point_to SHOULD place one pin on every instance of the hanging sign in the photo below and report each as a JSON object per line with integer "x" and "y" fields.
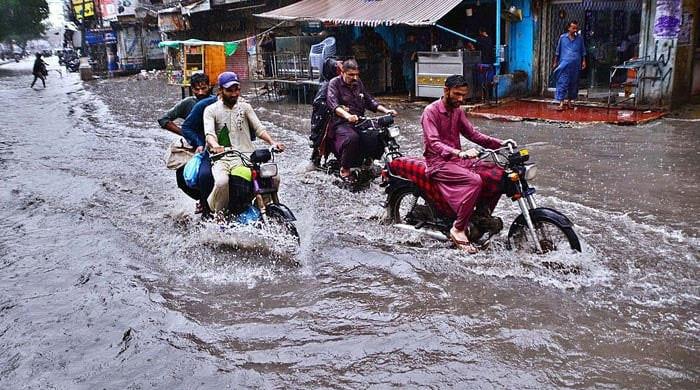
{"x": 83, "y": 9}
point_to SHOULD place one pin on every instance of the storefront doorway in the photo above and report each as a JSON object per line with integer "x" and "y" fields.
{"x": 611, "y": 32}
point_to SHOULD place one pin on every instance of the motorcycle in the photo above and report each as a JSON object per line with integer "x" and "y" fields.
{"x": 380, "y": 131}
{"x": 414, "y": 203}
{"x": 72, "y": 64}
{"x": 253, "y": 194}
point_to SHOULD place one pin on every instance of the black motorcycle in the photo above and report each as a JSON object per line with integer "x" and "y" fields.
{"x": 414, "y": 203}
{"x": 255, "y": 198}
{"x": 72, "y": 64}
{"x": 378, "y": 139}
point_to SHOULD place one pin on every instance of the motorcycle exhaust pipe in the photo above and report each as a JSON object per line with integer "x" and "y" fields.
{"x": 431, "y": 233}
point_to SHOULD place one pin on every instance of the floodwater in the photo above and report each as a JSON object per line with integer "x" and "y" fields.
{"x": 108, "y": 280}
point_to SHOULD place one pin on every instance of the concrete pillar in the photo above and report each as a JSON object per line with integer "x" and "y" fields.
{"x": 667, "y": 81}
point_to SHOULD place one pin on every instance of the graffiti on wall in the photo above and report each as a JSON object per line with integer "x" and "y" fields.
{"x": 662, "y": 53}
{"x": 667, "y": 24}
{"x": 661, "y": 77}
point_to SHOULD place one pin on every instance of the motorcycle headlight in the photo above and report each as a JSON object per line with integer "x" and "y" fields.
{"x": 530, "y": 171}
{"x": 394, "y": 131}
{"x": 268, "y": 170}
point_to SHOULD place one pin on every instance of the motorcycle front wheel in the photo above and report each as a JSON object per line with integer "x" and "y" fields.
{"x": 552, "y": 235}
{"x": 286, "y": 227}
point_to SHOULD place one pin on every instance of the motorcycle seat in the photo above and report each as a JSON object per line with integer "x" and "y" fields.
{"x": 413, "y": 170}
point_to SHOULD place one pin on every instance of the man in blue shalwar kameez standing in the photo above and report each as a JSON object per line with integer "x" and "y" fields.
{"x": 569, "y": 59}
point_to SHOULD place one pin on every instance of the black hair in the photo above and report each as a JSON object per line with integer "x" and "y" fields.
{"x": 350, "y": 64}
{"x": 199, "y": 78}
{"x": 455, "y": 81}
{"x": 572, "y": 22}
{"x": 329, "y": 69}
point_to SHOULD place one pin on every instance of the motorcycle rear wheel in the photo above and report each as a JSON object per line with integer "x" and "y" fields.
{"x": 551, "y": 235}
{"x": 407, "y": 206}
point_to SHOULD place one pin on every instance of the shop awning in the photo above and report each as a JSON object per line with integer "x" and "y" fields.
{"x": 365, "y": 12}
{"x": 229, "y": 47}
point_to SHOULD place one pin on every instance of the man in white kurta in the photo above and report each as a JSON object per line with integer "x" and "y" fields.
{"x": 230, "y": 122}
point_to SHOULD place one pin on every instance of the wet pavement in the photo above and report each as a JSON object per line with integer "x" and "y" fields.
{"x": 518, "y": 110}
{"x": 108, "y": 280}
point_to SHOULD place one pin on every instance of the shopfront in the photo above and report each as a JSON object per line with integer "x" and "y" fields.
{"x": 101, "y": 48}
{"x": 611, "y": 31}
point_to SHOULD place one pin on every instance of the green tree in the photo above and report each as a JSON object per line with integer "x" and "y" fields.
{"x": 22, "y": 19}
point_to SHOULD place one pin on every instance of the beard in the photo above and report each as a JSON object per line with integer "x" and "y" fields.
{"x": 453, "y": 103}
{"x": 229, "y": 101}
{"x": 201, "y": 96}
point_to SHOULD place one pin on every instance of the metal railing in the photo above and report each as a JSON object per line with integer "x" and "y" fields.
{"x": 288, "y": 66}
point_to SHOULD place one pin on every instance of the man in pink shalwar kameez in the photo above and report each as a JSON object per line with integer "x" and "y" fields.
{"x": 460, "y": 178}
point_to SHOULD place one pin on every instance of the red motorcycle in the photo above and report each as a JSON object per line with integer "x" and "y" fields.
{"x": 414, "y": 203}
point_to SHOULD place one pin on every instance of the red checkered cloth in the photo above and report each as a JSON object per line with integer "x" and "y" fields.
{"x": 491, "y": 176}
{"x": 413, "y": 170}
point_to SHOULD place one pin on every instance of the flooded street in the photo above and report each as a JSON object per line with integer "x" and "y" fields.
{"x": 109, "y": 280}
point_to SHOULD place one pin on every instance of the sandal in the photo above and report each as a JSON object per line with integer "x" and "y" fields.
{"x": 347, "y": 183}
{"x": 463, "y": 245}
{"x": 349, "y": 179}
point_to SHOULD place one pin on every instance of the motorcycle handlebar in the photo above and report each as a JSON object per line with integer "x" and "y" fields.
{"x": 227, "y": 151}
{"x": 366, "y": 118}
{"x": 380, "y": 121}
{"x": 232, "y": 151}
{"x": 486, "y": 152}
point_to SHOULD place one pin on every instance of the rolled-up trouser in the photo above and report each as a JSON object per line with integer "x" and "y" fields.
{"x": 462, "y": 182}
{"x": 352, "y": 148}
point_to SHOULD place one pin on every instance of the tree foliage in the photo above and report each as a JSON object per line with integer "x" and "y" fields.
{"x": 22, "y": 19}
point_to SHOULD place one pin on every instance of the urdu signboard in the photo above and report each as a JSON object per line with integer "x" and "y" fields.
{"x": 83, "y": 9}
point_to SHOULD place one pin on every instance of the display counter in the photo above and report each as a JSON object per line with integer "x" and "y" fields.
{"x": 433, "y": 68}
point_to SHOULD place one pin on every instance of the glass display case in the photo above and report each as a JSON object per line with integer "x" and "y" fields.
{"x": 193, "y": 62}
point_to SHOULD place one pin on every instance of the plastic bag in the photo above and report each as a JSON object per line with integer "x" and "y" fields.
{"x": 192, "y": 169}
{"x": 249, "y": 215}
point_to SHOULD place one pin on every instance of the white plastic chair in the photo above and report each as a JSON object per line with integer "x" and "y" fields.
{"x": 320, "y": 51}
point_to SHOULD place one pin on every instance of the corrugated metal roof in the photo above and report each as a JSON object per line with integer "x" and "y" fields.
{"x": 366, "y": 12}
{"x": 175, "y": 9}
{"x": 201, "y": 6}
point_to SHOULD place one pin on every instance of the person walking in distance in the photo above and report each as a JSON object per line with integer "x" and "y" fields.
{"x": 569, "y": 60}
{"x": 39, "y": 71}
